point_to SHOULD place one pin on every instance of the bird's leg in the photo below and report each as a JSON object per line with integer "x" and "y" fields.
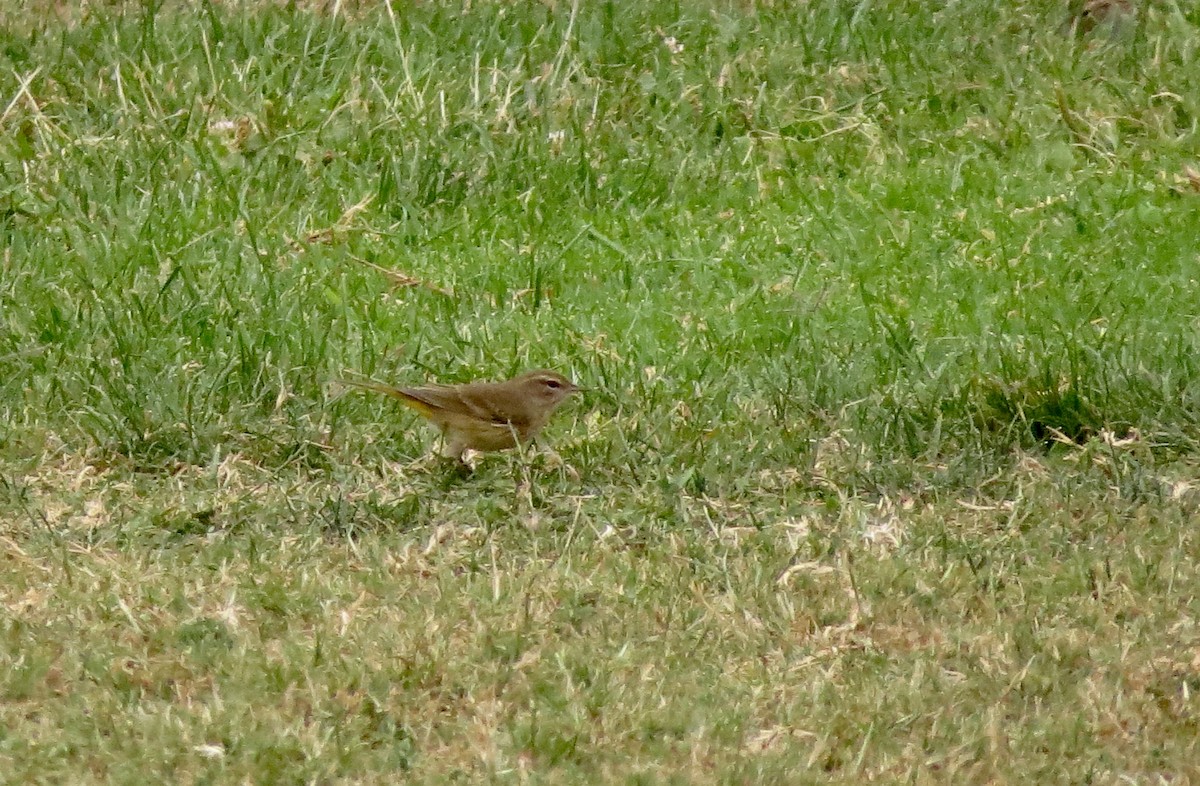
{"x": 454, "y": 449}
{"x": 555, "y": 462}
{"x": 551, "y": 457}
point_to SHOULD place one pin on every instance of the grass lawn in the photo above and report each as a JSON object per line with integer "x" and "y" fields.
{"x": 889, "y": 466}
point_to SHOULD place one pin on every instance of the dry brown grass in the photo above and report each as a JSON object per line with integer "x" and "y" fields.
{"x": 216, "y": 624}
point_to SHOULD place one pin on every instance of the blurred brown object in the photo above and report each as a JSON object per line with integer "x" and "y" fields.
{"x": 1085, "y": 17}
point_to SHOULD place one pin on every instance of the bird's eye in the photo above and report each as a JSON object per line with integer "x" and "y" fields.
{"x": 553, "y": 383}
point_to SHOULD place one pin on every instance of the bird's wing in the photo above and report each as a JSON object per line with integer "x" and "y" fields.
{"x": 477, "y": 402}
{"x": 474, "y": 401}
{"x": 487, "y": 400}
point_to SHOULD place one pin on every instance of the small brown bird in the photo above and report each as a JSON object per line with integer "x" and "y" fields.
{"x": 485, "y": 415}
{"x": 1085, "y": 17}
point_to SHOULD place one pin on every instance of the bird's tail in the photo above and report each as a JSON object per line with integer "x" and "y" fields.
{"x": 401, "y": 395}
